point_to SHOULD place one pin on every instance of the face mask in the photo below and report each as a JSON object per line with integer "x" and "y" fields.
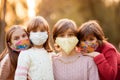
{"x": 21, "y": 45}
{"x": 67, "y": 44}
{"x": 88, "y": 46}
{"x": 38, "y": 38}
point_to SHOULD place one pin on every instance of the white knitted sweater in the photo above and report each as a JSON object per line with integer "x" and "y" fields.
{"x": 36, "y": 63}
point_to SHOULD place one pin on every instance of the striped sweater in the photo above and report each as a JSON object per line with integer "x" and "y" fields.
{"x": 35, "y": 63}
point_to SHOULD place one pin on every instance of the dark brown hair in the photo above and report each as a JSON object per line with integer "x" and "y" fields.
{"x": 91, "y": 27}
{"x": 63, "y": 25}
{"x": 40, "y": 22}
{"x": 13, "y": 55}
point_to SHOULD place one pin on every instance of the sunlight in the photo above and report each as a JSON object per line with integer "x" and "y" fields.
{"x": 0, "y": 6}
{"x": 20, "y": 11}
{"x": 0, "y": 2}
{"x": 110, "y": 2}
{"x": 31, "y": 8}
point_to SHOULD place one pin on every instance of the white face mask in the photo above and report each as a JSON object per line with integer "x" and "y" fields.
{"x": 67, "y": 44}
{"x": 38, "y": 38}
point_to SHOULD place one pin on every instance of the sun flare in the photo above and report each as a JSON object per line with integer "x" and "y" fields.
{"x": 31, "y": 8}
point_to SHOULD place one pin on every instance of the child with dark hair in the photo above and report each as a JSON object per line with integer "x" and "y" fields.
{"x": 92, "y": 42}
{"x": 69, "y": 64}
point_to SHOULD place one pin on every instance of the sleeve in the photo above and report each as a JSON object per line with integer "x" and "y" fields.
{"x": 107, "y": 64}
{"x": 5, "y": 68}
{"x": 93, "y": 71}
{"x": 22, "y": 66}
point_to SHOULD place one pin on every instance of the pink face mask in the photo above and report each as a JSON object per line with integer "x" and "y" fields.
{"x": 22, "y": 45}
{"x": 88, "y": 46}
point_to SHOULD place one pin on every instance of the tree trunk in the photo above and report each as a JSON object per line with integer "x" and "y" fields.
{"x": 2, "y": 24}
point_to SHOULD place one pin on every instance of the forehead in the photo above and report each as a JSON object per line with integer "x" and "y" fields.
{"x": 42, "y": 27}
{"x": 68, "y": 31}
{"x": 89, "y": 36}
{"x": 18, "y": 32}
{"x": 38, "y": 28}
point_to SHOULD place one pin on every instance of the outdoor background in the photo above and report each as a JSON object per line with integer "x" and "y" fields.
{"x": 106, "y": 12}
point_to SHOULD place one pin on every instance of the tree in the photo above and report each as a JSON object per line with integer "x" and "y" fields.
{"x": 2, "y": 24}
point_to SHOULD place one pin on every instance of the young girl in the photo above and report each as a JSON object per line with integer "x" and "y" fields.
{"x": 68, "y": 64}
{"x": 16, "y": 40}
{"x": 35, "y": 62}
{"x": 105, "y": 56}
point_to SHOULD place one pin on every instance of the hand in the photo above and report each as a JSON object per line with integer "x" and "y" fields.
{"x": 92, "y": 54}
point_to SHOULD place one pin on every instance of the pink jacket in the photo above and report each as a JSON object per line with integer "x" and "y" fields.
{"x": 5, "y": 69}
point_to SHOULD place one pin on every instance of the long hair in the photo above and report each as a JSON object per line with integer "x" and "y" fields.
{"x": 40, "y": 23}
{"x": 13, "y": 55}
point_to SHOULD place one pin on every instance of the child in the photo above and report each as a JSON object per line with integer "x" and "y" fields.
{"x": 68, "y": 64}
{"x": 35, "y": 62}
{"x": 105, "y": 56}
{"x": 16, "y": 40}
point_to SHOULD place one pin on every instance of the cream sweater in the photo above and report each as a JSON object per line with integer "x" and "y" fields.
{"x": 36, "y": 63}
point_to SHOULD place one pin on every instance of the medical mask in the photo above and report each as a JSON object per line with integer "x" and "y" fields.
{"x": 38, "y": 38}
{"x": 88, "y": 46}
{"x": 67, "y": 44}
{"x": 21, "y": 45}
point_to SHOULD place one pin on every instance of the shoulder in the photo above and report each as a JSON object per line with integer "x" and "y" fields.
{"x": 109, "y": 48}
{"x": 52, "y": 54}
{"x": 25, "y": 55}
{"x": 5, "y": 59}
{"x": 55, "y": 57}
{"x": 5, "y": 62}
{"x": 89, "y": 61}
{"x": 108, "y": 45}
{"x": 86, "y": 57}
{"x": 27, "y": 51}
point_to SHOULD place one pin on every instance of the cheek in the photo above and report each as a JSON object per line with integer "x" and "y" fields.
{"x": 98, "y": 43}
{"x": 26, "y": 37}
{"x": 13, "y": 42}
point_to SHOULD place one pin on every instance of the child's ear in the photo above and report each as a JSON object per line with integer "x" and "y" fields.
{"x": 9, "y": 44}
{"x": 78, "y": 49}
{"x": 57, "y": 47}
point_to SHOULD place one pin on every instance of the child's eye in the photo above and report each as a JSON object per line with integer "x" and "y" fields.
{"x": 16, "y": 38}
{"x": 91, "y": 39}
{"x": 83, "y": 40}
{"x": 34, "y": 30}
{"x": 24, "y": 35}
{"x": 71, "y": 35}
{"x": 42, "y": 30}
{"x": 61, "y": 35}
